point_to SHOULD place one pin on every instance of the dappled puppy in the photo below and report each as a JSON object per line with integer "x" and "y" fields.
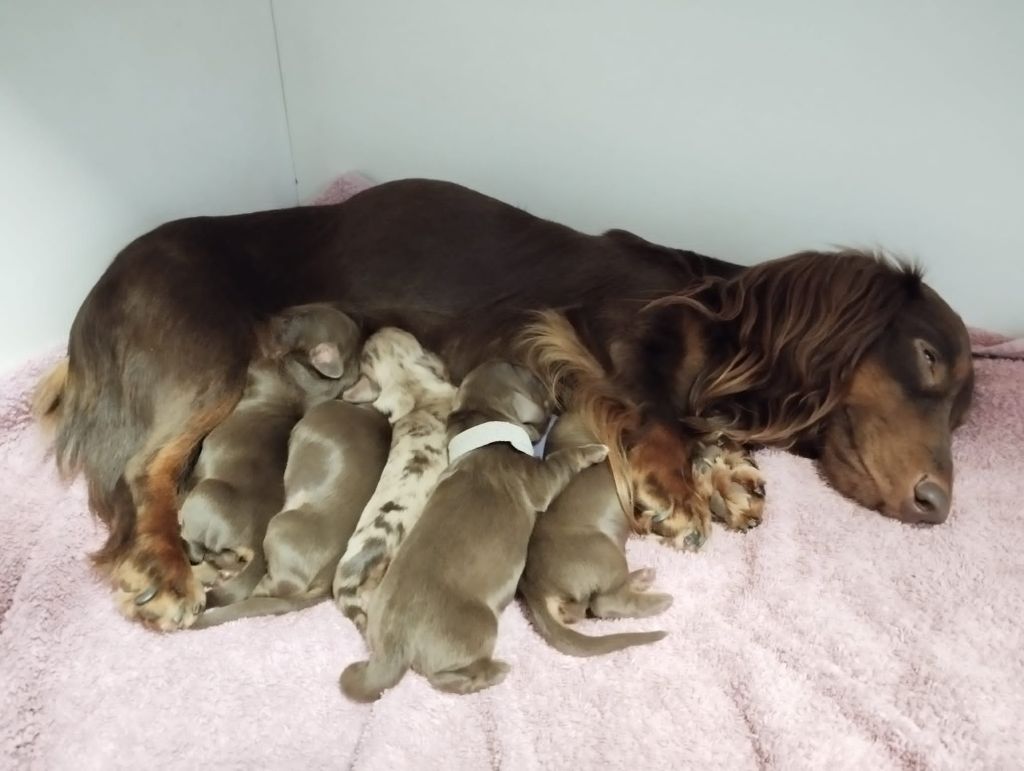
{"x": 237, "y": 484}
{"x": 576, "y": 562}
{"x": 335, "y": 456}
{"x": 437, "y": 607}
{"x": 410, "y": 386}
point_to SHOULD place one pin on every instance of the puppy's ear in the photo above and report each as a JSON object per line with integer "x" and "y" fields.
{"x": 364, "y": 390}
{"x": 326, "y": 359}
{"x": 283, "y": 332}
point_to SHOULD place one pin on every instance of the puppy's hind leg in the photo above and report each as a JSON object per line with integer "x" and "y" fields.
{"x": 631, "y": 600}
{"x": 365, "y": 681}
{"x": 482, "y": 673}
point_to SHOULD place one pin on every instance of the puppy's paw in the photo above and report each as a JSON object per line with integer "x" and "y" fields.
{"x": 590, "y": 454}
{"x": 733, "y": 485}
{"x": 155, "y": 584}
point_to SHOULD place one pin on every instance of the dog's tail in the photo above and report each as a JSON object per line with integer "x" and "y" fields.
{"x": 365, "y": 681}
{"x": 571, "y": 642}
{"x": 254, "y": 606}
{"x": 555, "y": 352}
{"x": 49, "y": 396}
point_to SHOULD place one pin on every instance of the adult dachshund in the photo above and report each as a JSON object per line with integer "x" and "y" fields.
{"x": 677, "y": 360}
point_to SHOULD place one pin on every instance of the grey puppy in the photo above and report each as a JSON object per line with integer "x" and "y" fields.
{"x": 577, "y": 560}
{"x": 311, "y": 355}
{"x": 335, "y": 457}
{"x": 436, "y": 609}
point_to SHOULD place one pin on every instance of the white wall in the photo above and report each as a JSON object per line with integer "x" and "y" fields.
{"x": 743, "y": 129}
{"x": 116, "y": 116}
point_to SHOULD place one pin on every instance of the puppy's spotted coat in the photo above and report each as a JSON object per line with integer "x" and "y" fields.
{"x": 410, "y": 386}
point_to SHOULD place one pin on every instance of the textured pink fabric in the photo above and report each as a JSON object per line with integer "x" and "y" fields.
{"x": 995, "y": 345}
{"x": 345, "y": 186}
{"x": 828, "y": 637}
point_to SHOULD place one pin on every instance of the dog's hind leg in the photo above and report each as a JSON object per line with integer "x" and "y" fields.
{"x": 152, "y": 577}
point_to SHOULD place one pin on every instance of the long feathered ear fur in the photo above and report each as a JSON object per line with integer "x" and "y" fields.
{"x": 797, "y": 327}
{"x": 553, "y": 350}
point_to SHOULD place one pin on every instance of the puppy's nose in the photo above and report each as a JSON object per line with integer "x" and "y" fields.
{"x": 930, "y": 504}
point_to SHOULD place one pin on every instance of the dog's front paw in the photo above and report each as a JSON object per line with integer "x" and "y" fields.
{"x": 155, "y": 584}
{"x": 732, "y": 484}
{"x": 672, "y": 511}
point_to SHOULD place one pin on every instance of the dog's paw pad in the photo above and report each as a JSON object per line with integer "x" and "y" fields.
{"x": 162, "y": 593}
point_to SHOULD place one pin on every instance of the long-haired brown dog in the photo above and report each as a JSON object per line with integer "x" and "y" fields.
{"x": 845, "y": 355}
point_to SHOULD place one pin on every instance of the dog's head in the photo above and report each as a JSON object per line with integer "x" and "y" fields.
{"x": 887, "y": 443}
{"x": 320, "y": 346}
{"x": 397, "y": 374}
{"x": 850, "y": 358}
{"x": 505, "y": 391}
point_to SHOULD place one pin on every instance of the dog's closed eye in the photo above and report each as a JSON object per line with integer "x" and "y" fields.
{"x": 932, "y": 369}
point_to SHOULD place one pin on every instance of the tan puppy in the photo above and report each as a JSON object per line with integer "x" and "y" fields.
{"x": 237, "y": 484}
{"x": 436, "y": 609}
{"x": 577, "y": 560}
{"x": 335, "y": 456}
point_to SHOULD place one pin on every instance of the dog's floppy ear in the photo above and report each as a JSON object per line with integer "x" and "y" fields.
{"x": 363, "y": 391}
{"x": 326, "y": 359}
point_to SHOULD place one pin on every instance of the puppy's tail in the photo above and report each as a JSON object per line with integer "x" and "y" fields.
{"x": 49, "y": 396}
{"x": 254, "y": 606}
{"x": 365, "y": 681}
{"x": 571, "y": 642}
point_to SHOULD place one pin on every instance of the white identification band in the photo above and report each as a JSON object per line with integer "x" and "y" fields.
{"x": 491, "y": 432}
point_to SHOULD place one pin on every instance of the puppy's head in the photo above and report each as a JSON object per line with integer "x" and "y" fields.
{"x": 396, "y": 374}
{"x": 506, "y": 392}
{"x": 320, "y": 345}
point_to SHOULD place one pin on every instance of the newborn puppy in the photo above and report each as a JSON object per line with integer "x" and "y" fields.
{"x": 237, "y": 485}
{"x": 335, "y": 457}
{"x": 437, "y": 607}
{"x": 411, "y": 387}
{"x": 577, "y": 560}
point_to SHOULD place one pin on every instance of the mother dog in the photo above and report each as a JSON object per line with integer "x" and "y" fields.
{"x": 843, "y": 355}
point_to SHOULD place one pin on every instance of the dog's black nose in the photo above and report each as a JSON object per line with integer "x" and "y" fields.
{"x": 930, "y": 504}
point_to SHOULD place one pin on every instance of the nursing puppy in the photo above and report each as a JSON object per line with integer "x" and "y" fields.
{"x": 410, "y": 386}
{"x": 437, "y": 607}
{"x": 237, "y": 484}
{"x": 577, "y": 560}
{"x": 335, "y": 457}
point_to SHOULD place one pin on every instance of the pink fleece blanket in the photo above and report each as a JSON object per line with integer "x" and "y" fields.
{"x": 829, "y": 637}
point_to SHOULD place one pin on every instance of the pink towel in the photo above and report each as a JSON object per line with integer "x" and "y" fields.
{"x": 828, "y": 637}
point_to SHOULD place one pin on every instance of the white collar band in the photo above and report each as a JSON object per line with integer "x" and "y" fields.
{"x": 491, "y": 432}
